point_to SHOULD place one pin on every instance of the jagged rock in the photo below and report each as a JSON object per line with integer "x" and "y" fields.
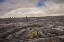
{"x": 21, "y": 41}
{"x": 51, "y": 39}
{"x": 17, "y": 34}
{"x": 57, "y": 31}
{"x": 20, "y": 31}
{"x": 10, "y": 36}
{"x": 8, "y": 32}
{"x": 42, "y": 35}
{"x": 51, "y": 35}
{"x": 61, "y": 38}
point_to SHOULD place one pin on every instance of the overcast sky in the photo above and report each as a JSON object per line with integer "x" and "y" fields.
{"x": 48, "y": 6}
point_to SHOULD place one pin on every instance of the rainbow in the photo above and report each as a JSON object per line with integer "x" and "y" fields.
{"x": 19, "y": 9}
{"x": 43, "y": 13}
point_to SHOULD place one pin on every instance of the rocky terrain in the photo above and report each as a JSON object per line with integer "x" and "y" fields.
{"x": 32, "y": 29}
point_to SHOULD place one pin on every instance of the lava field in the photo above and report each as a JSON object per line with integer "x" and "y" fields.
{"x": 32, "y": 29}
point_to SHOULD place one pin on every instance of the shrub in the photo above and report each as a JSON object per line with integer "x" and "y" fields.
{"x": 35, "y": 35}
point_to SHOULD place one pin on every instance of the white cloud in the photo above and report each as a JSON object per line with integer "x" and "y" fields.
{"x": 14, "y": 4}
{"x": 52, "y": 6}
{"x": 58, "y": 1}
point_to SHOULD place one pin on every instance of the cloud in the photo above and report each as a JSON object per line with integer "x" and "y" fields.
{"x": 47, "y": 6}
{"x": 53, "y": 8}
{"x": 41, "y": 3}
{"x": 58, "y": 1}
{"x": 10, "y": 5}
{"x": 1, "y": 1}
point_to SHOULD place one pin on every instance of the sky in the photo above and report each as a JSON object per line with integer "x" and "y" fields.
{"x": 47, "y": 6}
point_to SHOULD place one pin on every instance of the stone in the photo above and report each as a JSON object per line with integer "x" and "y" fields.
{"x": 57, "y": 31}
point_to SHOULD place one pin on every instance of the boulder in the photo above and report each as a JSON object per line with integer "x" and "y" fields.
{"x": 57, "y": 31}
{"x": 42, "y": 35}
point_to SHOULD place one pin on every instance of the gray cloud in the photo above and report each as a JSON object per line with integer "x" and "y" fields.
{"x": 58, "y": 1}
{"x": 10, "y": 5}
{"x": 52, "y": 6}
